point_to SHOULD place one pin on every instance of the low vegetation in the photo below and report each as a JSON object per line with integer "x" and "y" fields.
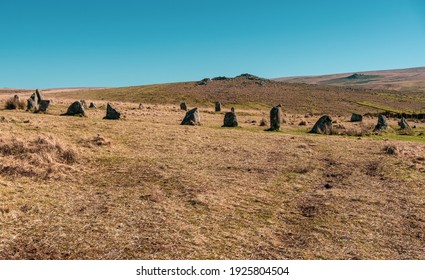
{"x": 14, "y": 104}
{"x": 145, "y": 187}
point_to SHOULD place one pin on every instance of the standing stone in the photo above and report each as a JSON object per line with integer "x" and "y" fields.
{"x": 44, "y": 104}
{"x": 92, "y": 105}
{"x": 39, "y": 96}
{"x": 183, "y": 106}
{"x": 230, "y": 119}
{"x": 192, "y": 117}
{"x": 218, "y": 106}
{"x": 275, "y": 118}
{"x": 32, "y": 103}
{"x": 403, "y": 124}
{"x": 75, "y": 108}
{"x": 141, "y": 107}
{"x": 382, "y": 123}
{"x": 356, "y": 117}
{"x": 111, "y": 113}
{"x": 323, "y": 125}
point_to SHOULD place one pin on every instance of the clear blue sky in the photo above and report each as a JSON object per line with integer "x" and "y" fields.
{"x": 49, "y": 43}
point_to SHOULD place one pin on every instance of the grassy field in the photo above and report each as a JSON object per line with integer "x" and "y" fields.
{"x": 145, "y": 187}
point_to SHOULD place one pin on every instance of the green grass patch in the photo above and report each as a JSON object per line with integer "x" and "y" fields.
{"x": 381, "y": 107}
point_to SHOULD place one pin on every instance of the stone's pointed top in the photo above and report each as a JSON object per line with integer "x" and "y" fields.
{"x": 39, "y": 96}
{"x": 92, "y": 105}
{"x": 323, "y": 125}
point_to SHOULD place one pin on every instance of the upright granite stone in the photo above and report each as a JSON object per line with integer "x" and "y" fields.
{"x": 75, "y": 109}
{"x": 141, "y": 107}
{"x": 192, "y": 118}
{"x": 230, "y": 119}
{"x": 356, "y": 117}
{"x": 92, "y": 105}
{"x": 32, "y": 103}
{"x": 382, "y": 123}
{"x": 183, "y": 106}
{"x": 39, "y": 96}
{"x": 35, "y": 101}
{"x": 111, "y": 113}
{"x": 218, "y": 106}
{"x": 403, "y": 124}
{"x": 275, "y": 118}
{"x": 323, "y": 125}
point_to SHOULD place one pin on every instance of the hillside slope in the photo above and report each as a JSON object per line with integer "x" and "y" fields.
{"x": 410, "y": 79}
{"x": 248, "y": 91}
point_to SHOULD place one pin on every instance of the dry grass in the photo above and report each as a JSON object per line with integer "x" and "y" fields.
{"x": 12, "y": 104}
{"x": 40, "y": 157}
{"x": 165, "y": 191}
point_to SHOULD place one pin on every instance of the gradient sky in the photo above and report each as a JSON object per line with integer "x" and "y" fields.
{"x": 46, "y": 43}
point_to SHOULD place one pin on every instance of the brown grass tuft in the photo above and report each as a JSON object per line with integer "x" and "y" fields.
{"x": 391, "y": 150}
{"x": 264, "y": 122}
{"x": 12, "y": 104}
{"x": 96, "y": 141}
{"x": 39, "y": 157}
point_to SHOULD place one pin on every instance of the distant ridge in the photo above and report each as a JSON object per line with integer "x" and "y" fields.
{"x": 409, "y": 79}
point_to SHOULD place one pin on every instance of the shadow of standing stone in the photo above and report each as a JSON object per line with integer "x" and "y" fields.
{"x": 275, "y": 118}
{"x": 192, "y": 118}
{"x": 323, "y": 125}
{"x": 44, "y": 104}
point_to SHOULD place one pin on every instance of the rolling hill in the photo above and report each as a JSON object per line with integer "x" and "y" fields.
{"x": 250, "y": 92}
{"x": 410, "y": 79}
